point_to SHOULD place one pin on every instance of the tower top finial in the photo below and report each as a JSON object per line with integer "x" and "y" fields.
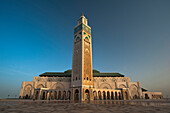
{"x": 82, "y": 14}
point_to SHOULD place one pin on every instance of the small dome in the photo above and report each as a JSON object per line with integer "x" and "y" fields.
{"x": 96, "y": 71}
{"x": 68, "y": 71}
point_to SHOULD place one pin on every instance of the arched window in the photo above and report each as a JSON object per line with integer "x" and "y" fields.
{"x": 76, "y": 78}
{"x": 87, "y": 78}
{"x": 87, "y": 38}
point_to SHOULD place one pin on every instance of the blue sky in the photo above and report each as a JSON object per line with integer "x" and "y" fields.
{"x": 129, "y": 36}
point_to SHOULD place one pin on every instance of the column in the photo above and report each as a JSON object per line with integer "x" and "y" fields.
{"x": 39, "y": 96}
{"x": 106, "y": 95}
{"x": 97, "y": 98}
{"x": 45, "y": 95}
{"x": 110, "y": 95}
{"x": 33, "y": 97}
{"x": 102, "y": 95}
{"x": 72, "y": 96}
{"x": 79, "y": 94}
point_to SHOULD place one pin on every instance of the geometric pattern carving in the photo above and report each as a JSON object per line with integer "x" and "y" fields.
{"x": 87, "y": 60}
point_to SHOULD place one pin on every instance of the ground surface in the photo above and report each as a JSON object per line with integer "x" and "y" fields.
{"x": 29, "y": 106}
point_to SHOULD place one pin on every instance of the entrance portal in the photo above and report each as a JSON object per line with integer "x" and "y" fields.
{"x": 87, "y": 95}
{"x": 76, "y": 95}
{"x": 146, "y": 96}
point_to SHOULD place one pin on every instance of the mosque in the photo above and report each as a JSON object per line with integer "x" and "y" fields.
{"x": 82, "y": 83}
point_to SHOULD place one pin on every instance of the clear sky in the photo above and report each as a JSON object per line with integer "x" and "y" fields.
{"x": 131, "y": 37}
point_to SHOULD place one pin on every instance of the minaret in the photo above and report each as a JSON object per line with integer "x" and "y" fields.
{"x": 82, "y": 74}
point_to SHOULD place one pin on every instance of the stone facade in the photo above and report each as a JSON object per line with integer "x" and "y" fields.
{"x": 152, "y": 95}
{"x": 82, "y": 83}
{"x": 101, "y": 85}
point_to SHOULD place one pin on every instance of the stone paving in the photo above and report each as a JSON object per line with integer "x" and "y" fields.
{"x": 29, "y": 106}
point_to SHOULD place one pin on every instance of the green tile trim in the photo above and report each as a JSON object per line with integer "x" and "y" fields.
{"x": 82, "y": 26}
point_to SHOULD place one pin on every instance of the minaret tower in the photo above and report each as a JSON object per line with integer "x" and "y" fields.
{"x": 82, "y": 73}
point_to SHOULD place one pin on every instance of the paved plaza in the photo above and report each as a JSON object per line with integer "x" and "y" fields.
{"x": 132, "y": 106}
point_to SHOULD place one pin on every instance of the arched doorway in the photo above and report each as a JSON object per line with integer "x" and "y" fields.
{"x": 59, "y": 95}
{"x": 69, "y": 94}
{"x": 100, "y": 96}
{"x": 55, "y": 95}
{"x": 134, "y": 91}
{"x": 112, "y": 95}
{"x": 108, "y": 95}
{"x": 43, "y": 97}
{"x": 87, "y": 94}
{"x": 104, "y": 95}
{"x": 64, "y": 95}
{"x": 27, "y": 92}
{"x": 76, "y": 98}
{"x": 126, "y": 95}
{"x": 36, "y": 95}
{"x": 135, "y": 97}
{"x": 120, "y": 96}
{"x": 146, "y": 96}
{"x": 51, "y": 95}
{"x": 26, "y": 97}
{"x": 95, "y": 95}
{"x": 115, "y": 95}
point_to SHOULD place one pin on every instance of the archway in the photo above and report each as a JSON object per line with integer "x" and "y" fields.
{"x": 120, "y": 96}
{"x": 135, "y": 97}
{"x": 27, "y": 91}
{"x": 115, "y": 95}
{"x": 26, "y": 97}
{"x": 69, "y": 94}
{"x": 87, "y": 94}
{"x": 51, "y": 95}
{"x": 105, "y": 86}
{"x": 36, "y": 95}
{"x": 40, "y": 86}
{"x": 59, "y": 95}
{"x": 95, "y": 95}
{"x": 146, "y": 96}
{"x": 104, "y": 95}
{"x": 55, "y": 95}
{"x": 64, "y": 95}
{"x": 108, "y": 95}
{"x": 134, "y": 91}
{"x": 76, "y": 98}
{"x": 99, "y": 94}
{"x": 112, "y": 95}
{"x": 43, "y": 96}
{"x": 126, "y": 95}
